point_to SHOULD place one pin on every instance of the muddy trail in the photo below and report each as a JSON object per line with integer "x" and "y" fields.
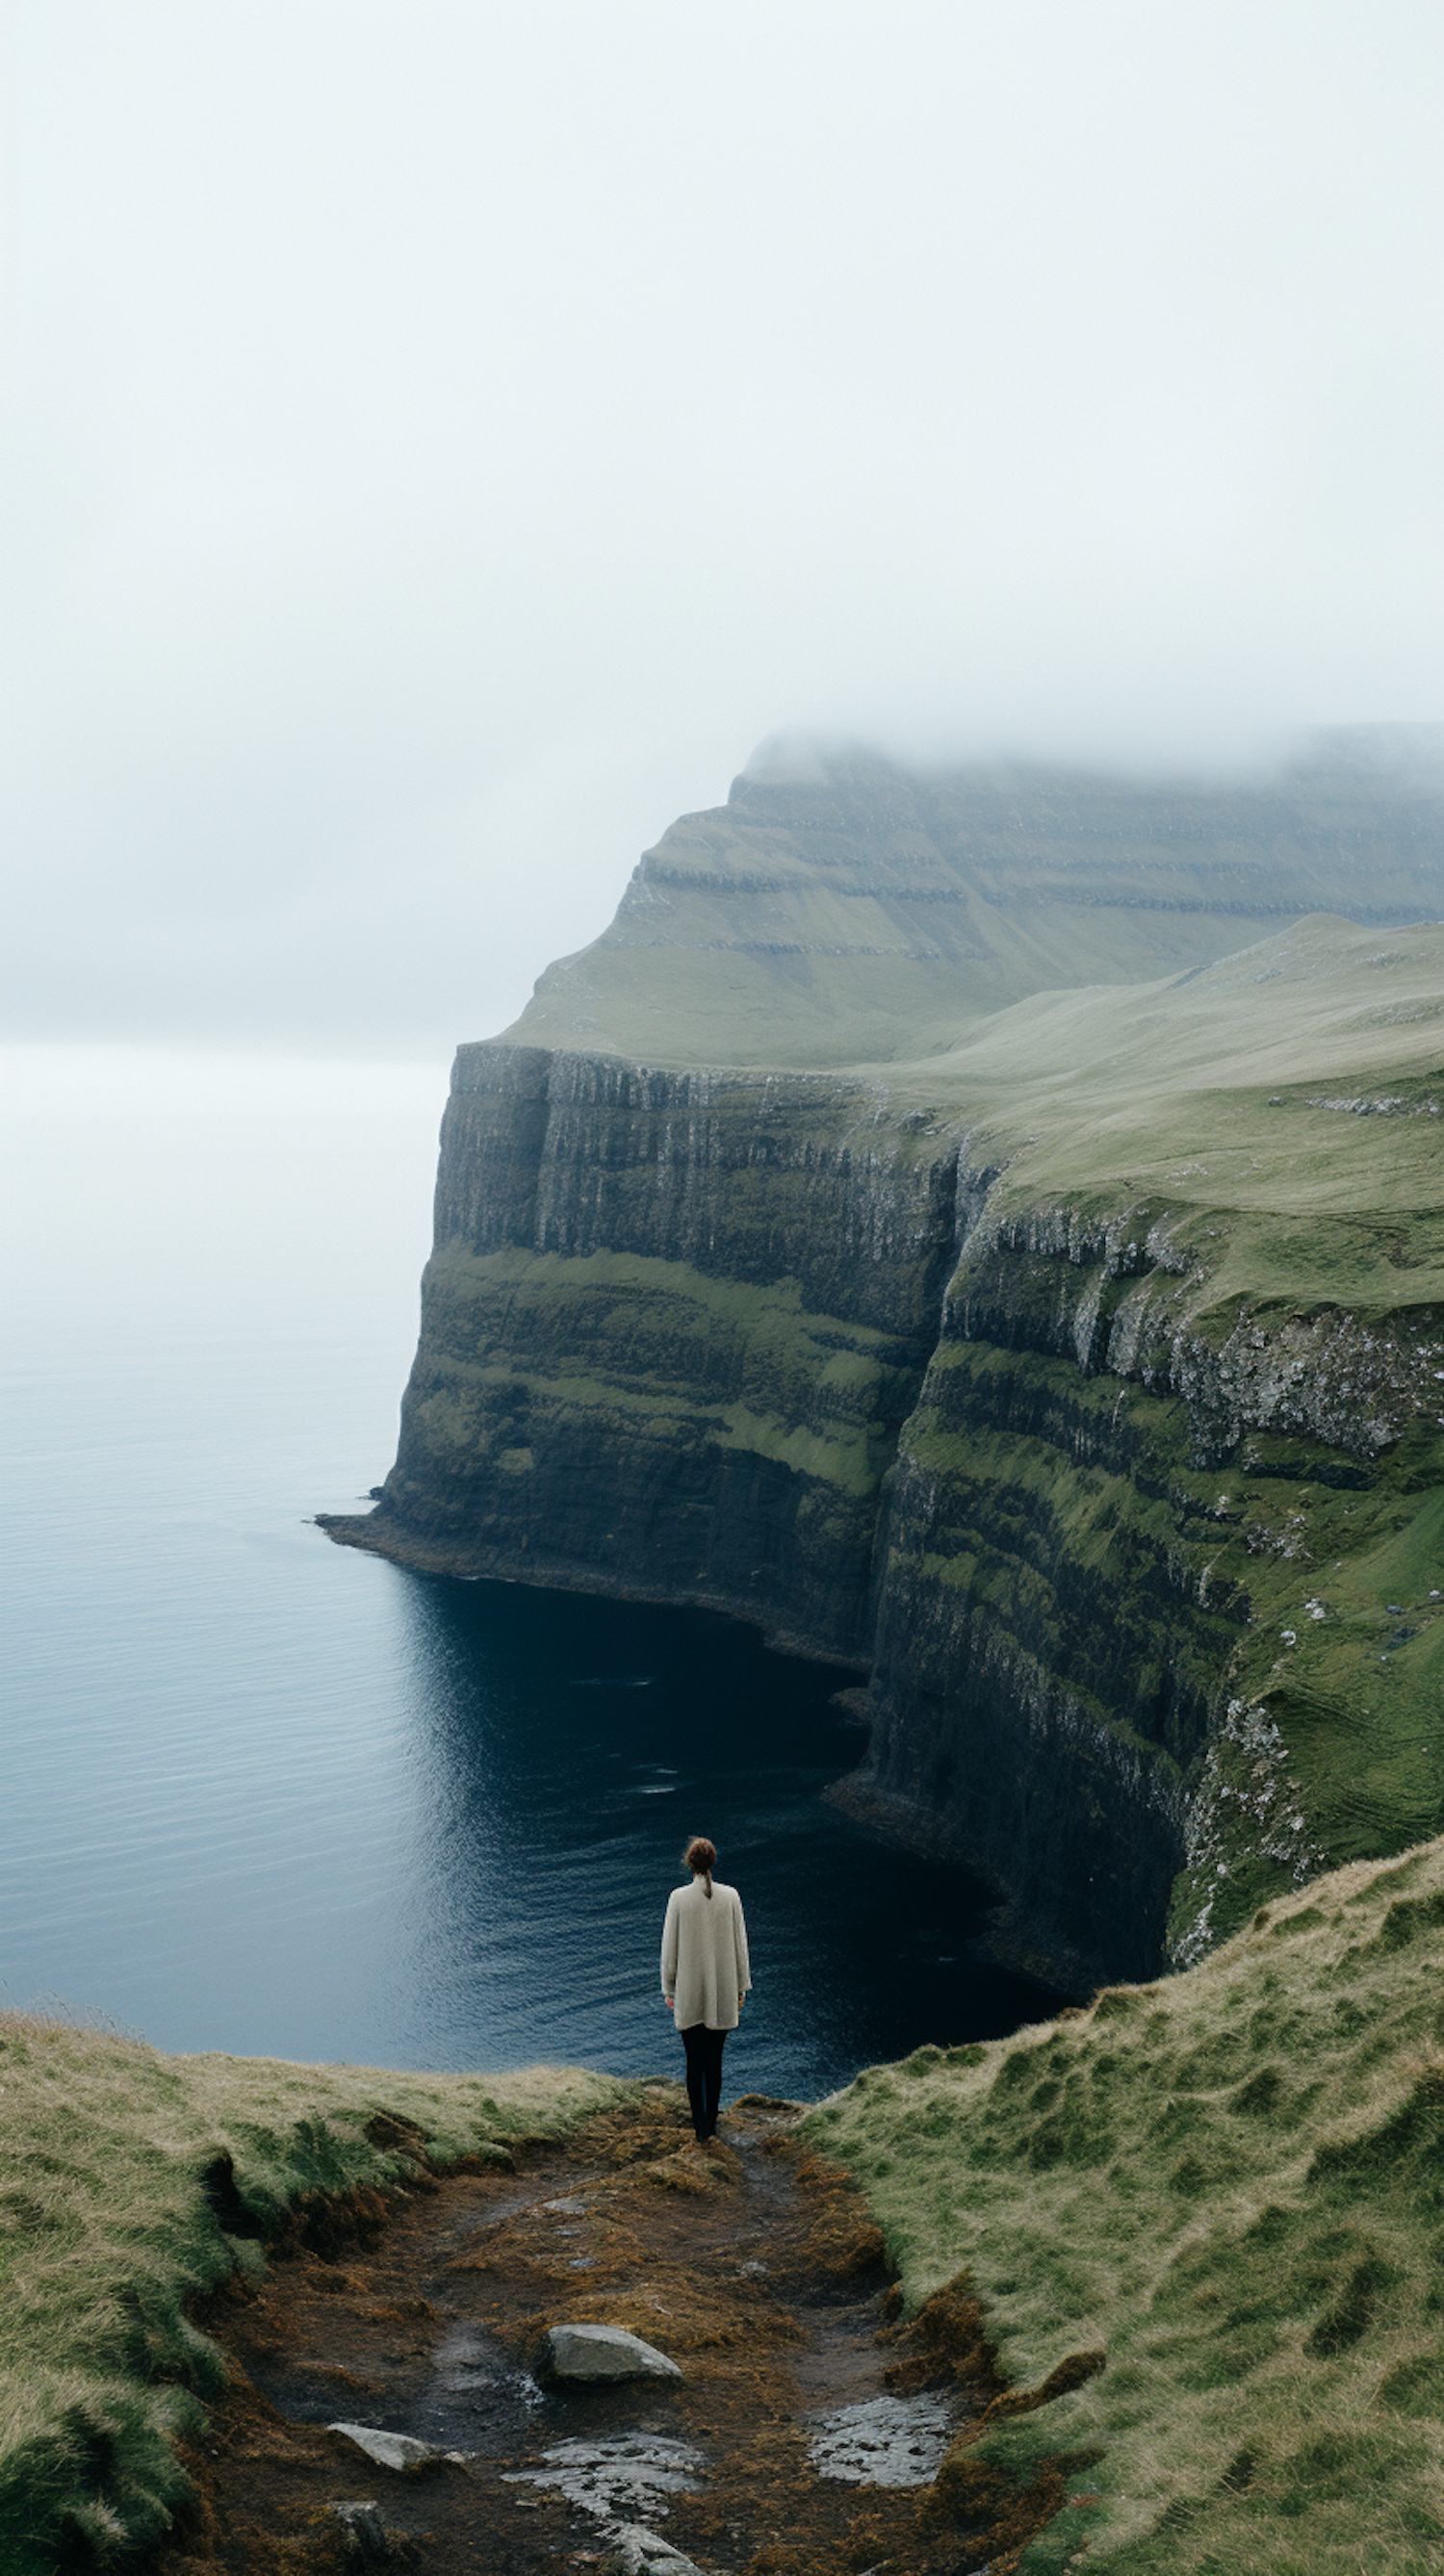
{"x": 810, "y": 2430}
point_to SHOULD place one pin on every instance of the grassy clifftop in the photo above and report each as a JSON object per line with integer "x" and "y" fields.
{"x": 1211, "y": 2212}
{"x": 1289, "y": 1096}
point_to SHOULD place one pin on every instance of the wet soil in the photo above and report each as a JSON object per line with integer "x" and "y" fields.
{"x": 749, "y": 2262}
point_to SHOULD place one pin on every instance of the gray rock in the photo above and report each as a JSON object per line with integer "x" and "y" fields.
{"x": 398, "y": 2451}
{"x": 566, "y": 2208}
{"x": 601, "y": 2352}
{"x": 363, "y": 2521}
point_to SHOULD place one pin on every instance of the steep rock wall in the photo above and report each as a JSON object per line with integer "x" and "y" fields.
{"x": 671, "y": 1330}
{"x": 1100, "y": 1529}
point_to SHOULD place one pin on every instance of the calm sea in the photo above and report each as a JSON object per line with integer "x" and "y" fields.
{"x": 268, "y": 1795}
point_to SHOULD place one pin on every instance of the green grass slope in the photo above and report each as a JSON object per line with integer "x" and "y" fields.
{"x": 107, "y": 2231}
{"x": 1230, "y": 2186}
{"x": 1291, "y": 1095}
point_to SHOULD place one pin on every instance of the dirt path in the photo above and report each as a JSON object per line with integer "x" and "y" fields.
{"x": 752, "y": 2265}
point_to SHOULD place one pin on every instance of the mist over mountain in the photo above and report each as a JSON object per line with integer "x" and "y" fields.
{"x": 866, "y": 911}
{"x": 429, "y": 458}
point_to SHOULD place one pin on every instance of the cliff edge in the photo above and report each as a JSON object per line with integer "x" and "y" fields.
{"x": 1033, "y": 1299}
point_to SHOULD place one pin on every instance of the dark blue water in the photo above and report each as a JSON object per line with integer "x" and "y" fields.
{"x": 269, "y": 1795}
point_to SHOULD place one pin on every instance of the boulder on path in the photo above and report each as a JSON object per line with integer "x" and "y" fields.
{"x": 400, "y": 2451}
{"x": 600, "y": 2353}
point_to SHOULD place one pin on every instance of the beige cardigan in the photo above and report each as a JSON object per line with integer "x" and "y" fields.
{"x": 704, "y": 1955}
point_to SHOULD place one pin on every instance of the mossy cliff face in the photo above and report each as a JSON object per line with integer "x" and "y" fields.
{"x": 671, "y": 1330}
{"x": 1132, "y": 1648}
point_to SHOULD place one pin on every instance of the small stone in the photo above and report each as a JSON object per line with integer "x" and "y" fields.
{"x": 363, "y": 2520}
{"x": 399, "y": 2451}
{"x": 566, "y": 2208}
{"x": 601, "y": 2352}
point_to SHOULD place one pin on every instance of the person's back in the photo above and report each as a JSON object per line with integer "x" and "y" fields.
{"x": 711, "y": 1969}
{"x": 705, "y": 1975}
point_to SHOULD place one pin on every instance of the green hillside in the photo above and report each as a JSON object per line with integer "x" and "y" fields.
{"x": 1214, "y": 2208}
{"x": 1290, "y": 1097}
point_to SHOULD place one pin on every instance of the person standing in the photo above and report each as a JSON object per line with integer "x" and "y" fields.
{"x": 705, "y": 1976}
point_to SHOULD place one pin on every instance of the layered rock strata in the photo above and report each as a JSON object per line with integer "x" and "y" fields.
{"x": 672, "y": 1328}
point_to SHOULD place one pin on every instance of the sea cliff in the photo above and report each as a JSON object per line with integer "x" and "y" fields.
{"x": 673, "y": 1326}
{"x": 1077, "y": 1382}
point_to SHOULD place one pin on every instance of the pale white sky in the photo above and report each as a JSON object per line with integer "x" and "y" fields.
{"x": 442, "y": 438}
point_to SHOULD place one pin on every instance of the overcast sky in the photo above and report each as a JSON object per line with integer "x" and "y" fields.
{"x": 443, "y": 438}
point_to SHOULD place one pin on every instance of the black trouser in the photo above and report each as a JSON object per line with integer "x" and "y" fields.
{"x": 704, "y": 2075}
